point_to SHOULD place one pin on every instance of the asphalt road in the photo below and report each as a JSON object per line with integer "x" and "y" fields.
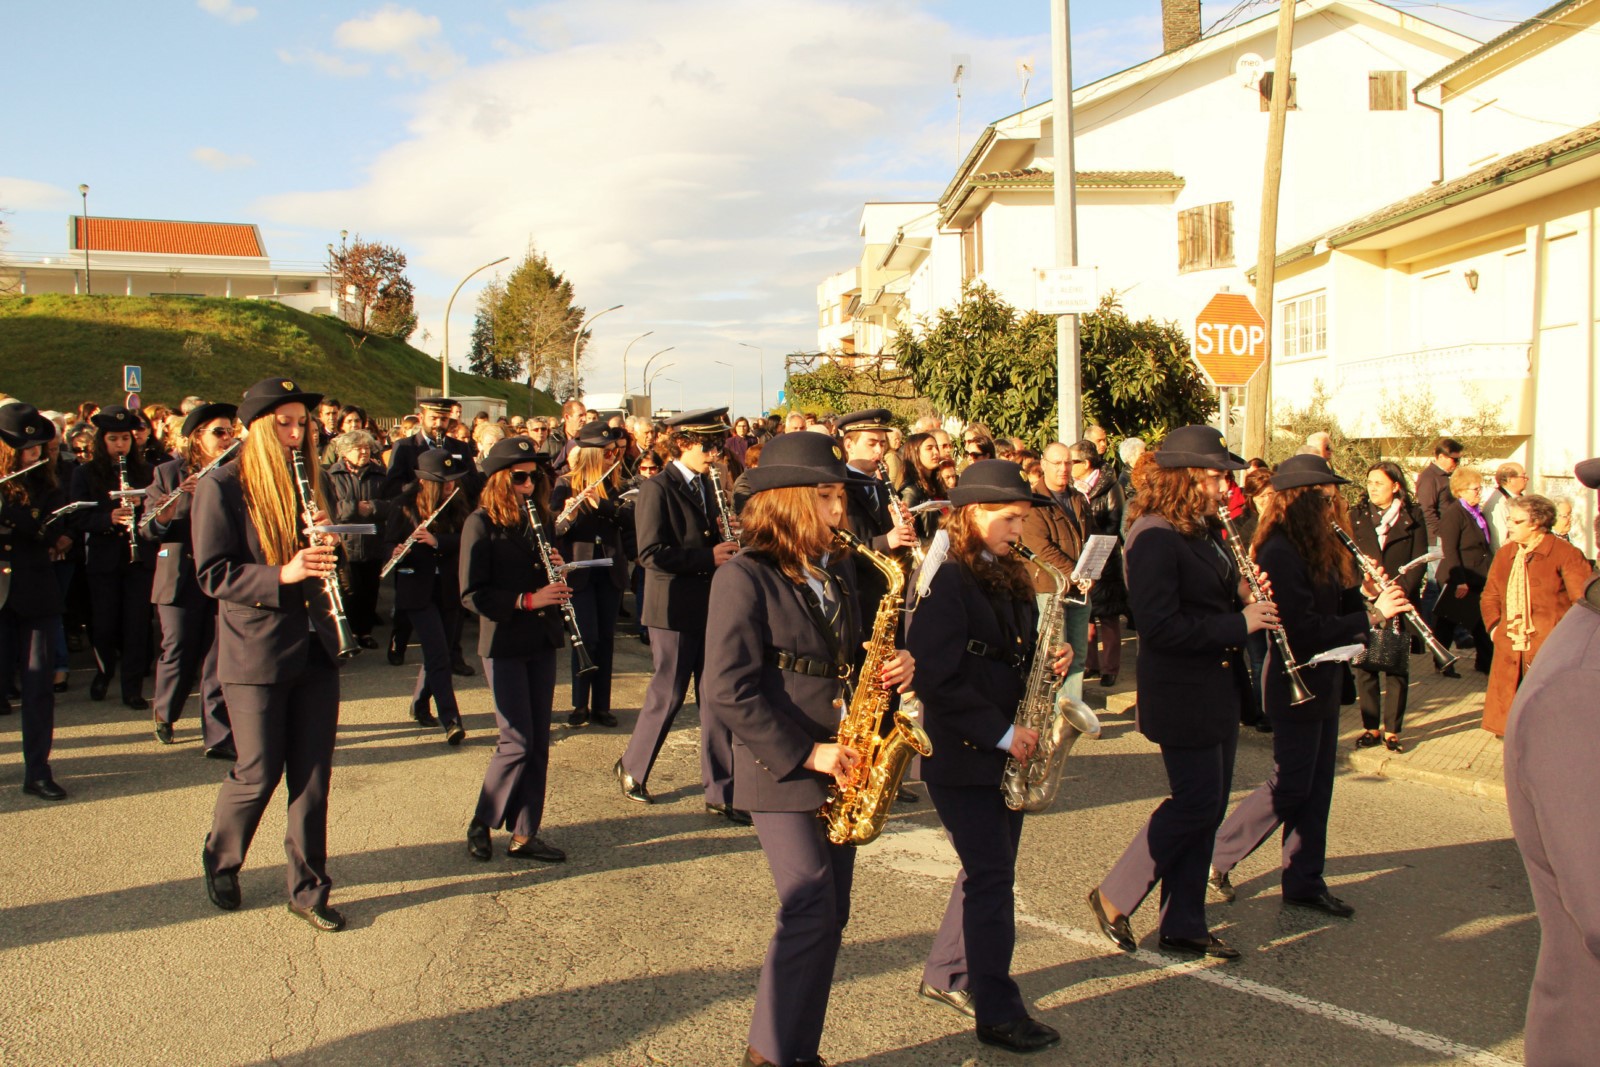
{"x": 644, "y": 948}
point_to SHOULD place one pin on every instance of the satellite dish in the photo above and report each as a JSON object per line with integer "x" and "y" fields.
{"x": 1249, "y": 68}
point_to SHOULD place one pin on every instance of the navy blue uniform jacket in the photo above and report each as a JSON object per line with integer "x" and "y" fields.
{"x": 498, "y": 565}
{"x": 27, "y": 577}
{"x": 1315, "y": 616}
{"x": 676, "y": 538}
{"x": 428, "y": 576}
{"x": 175, "y": 582}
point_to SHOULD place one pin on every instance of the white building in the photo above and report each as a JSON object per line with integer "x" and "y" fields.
{"x": 160, "y": 257}
{"x": 1169, "y": 156}
{"x": 1478, "y": 285}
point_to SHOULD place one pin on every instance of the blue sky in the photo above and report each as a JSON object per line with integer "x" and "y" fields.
{"x": 702, "y": 162}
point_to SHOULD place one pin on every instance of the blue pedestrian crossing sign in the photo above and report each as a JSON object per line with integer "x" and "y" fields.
{"x": 132, "y": 378}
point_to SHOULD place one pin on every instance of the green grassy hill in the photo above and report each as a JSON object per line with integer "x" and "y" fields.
{"x": 57, "y": 351}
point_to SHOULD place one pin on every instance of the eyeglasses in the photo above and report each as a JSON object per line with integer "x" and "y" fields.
{"x": 521, "y": 477}
{"x": 81, "y": 451}
{"x": 649, "y": 466}
{"x": 974, "y": 454}
{"x": 221, "y": 431}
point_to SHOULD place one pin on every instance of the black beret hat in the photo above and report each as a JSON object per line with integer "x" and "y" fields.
{"x": 870, "y": 419}
{"x": 441, "y": 465}
{"x": 21, "y": 425}
{"x": 1300, "y": 470}
{"x": 205, "y": 413}
{"x": 598, "y": 435}
{"x": 1197, "y": 446}
{"x": 989, "y": 481}
{"x": 115, "y": 419}
{"x": 1588, "y": 472}
{"x": 706, "y": 420}
{"x": 793, "y": 459}
{"x": 509, "y": 452}
{"x": 272, "y": 393}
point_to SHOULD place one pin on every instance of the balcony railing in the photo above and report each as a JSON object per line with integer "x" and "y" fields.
{"x": 1458, "y": 363}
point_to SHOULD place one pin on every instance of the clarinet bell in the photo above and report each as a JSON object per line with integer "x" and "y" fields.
{"x": 585, "y": 664}
{"x": 1298, "y": 693}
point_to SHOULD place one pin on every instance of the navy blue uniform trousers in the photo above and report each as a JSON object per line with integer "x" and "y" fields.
{"x": 434, "y": 682}
{"x": 514, "y": 782}
{"x": 677, "y": 656}
{"x": 284, "y": 730}
{"x": 973, "y": 947}
{"x": 596, "y": 606}
{"x": 1297, "y": 795}
{"x": 189, "y": 651}
{"x": 1174, "y": 846}
{"x": 25, "y": 644}
{"x": 119, "y": 623}
{"x": 813, "y": 878}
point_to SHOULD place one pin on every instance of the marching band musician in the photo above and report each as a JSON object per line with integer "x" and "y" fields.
{"x": 119, "y": 586}
{"x": 1311, "y": 572}
{"x": 30, "y": 598}
{"x": 594, "y": 531}
{"x": 974, "y": 641}
{"x": 427, "y": 588}
{"x": 432, "y": 432}
{"x": 504, "y": 583}
{"x": 675, "y": 517}
{"x": 1188, "y": 596}
{"x": 786, "y": 600}
{"x": 188, "y": 616}
{"x": 278, "y": 648}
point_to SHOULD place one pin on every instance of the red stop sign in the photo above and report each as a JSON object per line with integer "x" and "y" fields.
{"x": 1230, "y": 339}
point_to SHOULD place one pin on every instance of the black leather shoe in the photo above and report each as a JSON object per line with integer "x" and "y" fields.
{"x": 44, "y": 789}
{"x": 459, "y": 668}
{"x": 578, "y": 717}
{"x": 1324, "y": 902}
{"x": 424, "y": 717}
{"x": 5, "y": 706}
{"x": 631, "y": 789}
{"x": 223, "y": 889}
{"x": 478, "y": 846}
{"x": 1214, "y": 947}
{"x": 222, "y": 751}
{"x": 1222, "y": 885}
{"x": 367, "y": 641}
{"x": 729, "y": 812}
{"x": 959, "y": 999}
{"x": 397, "y": 651}
{"x": 324, "y": 917}
{"x": 906, "y": 796}
{"x": 98, "y": 687}
{"x": 137, "y": 703}
{"x": 454, "y": 734}
{"x": 1449, "y": 672}
{"x": 752, "y": 1058}
{"x": 59, "y": 687}
{"x": 1108, "y": 680}
{"x": 602, "y": 718}
{"x": 535, "y": 849}
{"x": 164, "y": 732}
{"x": 1264, "y": 726}
{"x": 1019, "y": 1035}
{"x": 1120, "y": 933}
{"x": 1368, "y": 739}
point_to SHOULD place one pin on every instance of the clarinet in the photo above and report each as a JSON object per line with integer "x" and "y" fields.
{"x": 569, "y": 618}
{"x": 126, "y": 494}
{"x": 724, "y": 508}
{"x": 1441, "y": 655}
{"x": 330, "y": 585}
{"x": 152, "y": 510}
{"x": 394, "y": 561}
{"x": 1298, "y": 691}
{"x": 902, "y": 517}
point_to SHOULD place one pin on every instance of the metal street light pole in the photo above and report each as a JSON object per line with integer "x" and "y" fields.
{"x": 679, "y": 384}
{"x": 733, "y": 392}
{"x": 88, "y": 285}
{"x": 645, "y": 377}
{"x": 625, "y": 352}
{"x": 650, "y": 381}
{"x": 761, "y": 366}
{"x": 444, "y": 373}
{"x": 578, "y": 337}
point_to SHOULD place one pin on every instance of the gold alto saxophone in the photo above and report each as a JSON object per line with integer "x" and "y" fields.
{"x": 856, "y": 810}
{"x": 1032, "y": 784}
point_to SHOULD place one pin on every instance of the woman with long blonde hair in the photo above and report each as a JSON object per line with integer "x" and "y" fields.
{"x": 782, "y": 620}
{"x": 278, "y": 646}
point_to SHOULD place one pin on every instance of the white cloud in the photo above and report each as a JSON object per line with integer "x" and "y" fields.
{"x": 682, "y": 159}
{"x": 410, "y": 36}
{"x": 218, "y": 160}
{"x": 227, "y": 9}
{"x": 326, "y": 62}
{"x": 23, "y": 194}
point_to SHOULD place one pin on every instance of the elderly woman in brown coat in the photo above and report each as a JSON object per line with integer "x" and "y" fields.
{"x": 1535, "y": 578}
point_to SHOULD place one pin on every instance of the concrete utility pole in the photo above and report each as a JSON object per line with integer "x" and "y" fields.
{"x": 1069, "y": 371}
{"x": 1258, "y": 400}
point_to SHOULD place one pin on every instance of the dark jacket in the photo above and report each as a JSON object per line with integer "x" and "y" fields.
{"x": 776, "y": 716}
{"x": 1192, "y": 677}
{"x": 27, "y": 578}
{"x": 969, "y": 700}
{"x": 1056, "y": 536}
{"x": 348, "y": 489}
{"x": 403, "y": 459}
{"x": 868, "y": 516}
{"x": 676, "y": 538}
{"x": 1466, "y": 561}
{"x": 428, "y": 576}
{"x": 598, "y": 531}
{"x": 1433, "y": 496}
{"x": 1315, "y": 616}
{"x": 1110, "y": 594}
{"x": 175, "y": 581}
{"x": 105, "y": 542}
{"x": 1407, "y": 539}
{"x": 499, "y": 564}
{"x": 263, "y": 632}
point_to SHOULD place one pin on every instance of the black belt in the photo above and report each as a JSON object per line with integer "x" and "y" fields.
{"x": 999, "y": 655}
{"x": 809, "y": 666}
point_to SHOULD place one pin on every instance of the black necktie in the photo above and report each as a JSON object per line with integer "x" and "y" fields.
{"x": 705, "y": 496}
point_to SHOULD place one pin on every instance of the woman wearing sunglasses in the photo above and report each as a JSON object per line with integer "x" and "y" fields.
{"x": 188, "y": 616}
{"x": 518, "y": 605}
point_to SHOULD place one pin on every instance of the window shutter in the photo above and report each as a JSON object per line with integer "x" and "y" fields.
{"x": 1386, "y": 90}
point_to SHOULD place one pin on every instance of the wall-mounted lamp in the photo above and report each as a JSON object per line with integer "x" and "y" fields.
{"x": 1472, "y": 280}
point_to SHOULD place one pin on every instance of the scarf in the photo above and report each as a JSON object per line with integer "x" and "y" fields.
{"x": 1477, "y": 517}
{"x": 1519, "y": 601}
{"x": 1387, "y": 520}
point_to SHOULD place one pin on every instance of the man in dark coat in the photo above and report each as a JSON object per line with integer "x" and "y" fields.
{"x": 431, "y": 434}
{"x": 1056, "y": 535}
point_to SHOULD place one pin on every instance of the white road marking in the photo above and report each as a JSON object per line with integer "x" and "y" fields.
{"x": 923, "y": 852}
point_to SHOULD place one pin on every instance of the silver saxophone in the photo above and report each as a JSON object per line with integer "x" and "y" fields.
{"x": 348, "y": 646}
{"x": 1032, "y": 784}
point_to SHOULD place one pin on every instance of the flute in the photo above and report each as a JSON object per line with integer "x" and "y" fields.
{"x": 24, "y": 470}
{"x": 152, "y": 510}
{"x": 400, "y": 553}
{"x": 572, "y": 505}
{"x": 569, "y": 617}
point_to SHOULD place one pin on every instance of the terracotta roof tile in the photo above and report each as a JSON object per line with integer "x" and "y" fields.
{"x": 165, "y": 236}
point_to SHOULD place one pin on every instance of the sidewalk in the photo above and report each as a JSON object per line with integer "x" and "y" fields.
{"x": 1445, "y": 742}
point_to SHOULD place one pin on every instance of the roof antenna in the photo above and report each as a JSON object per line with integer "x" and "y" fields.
{"x": 960, "y": 62}
{"x": 1025, "y": 72}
